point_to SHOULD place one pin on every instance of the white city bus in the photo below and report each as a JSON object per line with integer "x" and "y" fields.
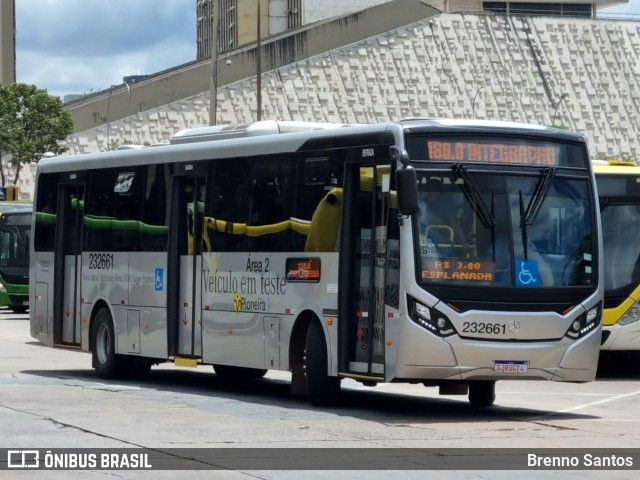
{"x": 319, "y": 252}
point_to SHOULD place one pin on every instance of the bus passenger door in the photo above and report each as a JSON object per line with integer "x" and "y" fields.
{"x": 362, "y": 331}
{"x": 68, "y": 266}
{"x": 185, "y": 265}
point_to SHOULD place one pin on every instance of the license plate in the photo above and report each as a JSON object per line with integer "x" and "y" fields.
{"x": 510, "y": 367}
{"x": 25, "y": 303}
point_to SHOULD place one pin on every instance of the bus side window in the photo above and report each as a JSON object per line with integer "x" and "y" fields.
{"x": 319, "y": 194}
{"x": 127, "y": 211}
{"x": 271, "y": 203}
{"x": 46, "y": 205}
{"x": 227, "y": 206}
{"x": 154, "y": 230}
{"x": 99, "y": 209}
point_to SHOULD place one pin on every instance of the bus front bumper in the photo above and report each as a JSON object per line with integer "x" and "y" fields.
{"x": 621, "y": 337}
{"x": 562, "y": 360}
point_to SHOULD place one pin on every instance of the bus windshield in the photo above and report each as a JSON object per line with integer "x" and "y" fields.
{"x": 523, "y": 228}
{"x": 620, "y": 231}
{"x": 14, "y": 245}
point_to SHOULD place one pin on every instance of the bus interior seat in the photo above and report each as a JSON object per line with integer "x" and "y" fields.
{"x": 325, "y": 223}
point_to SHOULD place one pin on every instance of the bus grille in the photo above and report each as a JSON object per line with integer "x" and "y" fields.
{"x": 13, "y": 279}
{"x": 18, "y": 299}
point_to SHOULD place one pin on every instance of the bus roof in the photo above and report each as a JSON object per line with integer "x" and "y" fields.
{"x": 484, "y": 126}
{"x": 613, "y": 169}
{"x": 267, "y": 138}
{"x": 15, "y": 207}
{"x": 266, "y": 127}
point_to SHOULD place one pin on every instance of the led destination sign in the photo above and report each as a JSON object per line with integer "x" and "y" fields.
{"x": 457, "y": 270}
{"x": 305, "y": 270}
{"x": 462, "y": 151}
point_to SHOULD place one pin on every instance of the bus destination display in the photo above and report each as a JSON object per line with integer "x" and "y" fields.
{"x": 462, "y": 151}
{"x": 433, "y": 269}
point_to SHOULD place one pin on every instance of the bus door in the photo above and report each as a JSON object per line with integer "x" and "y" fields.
{"x": 363, "y": 270}
{"x": 185, "y": 265}
{"x": 66, "y": 303}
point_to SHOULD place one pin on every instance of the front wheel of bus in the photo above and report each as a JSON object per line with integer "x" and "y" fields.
{"x": 323, "y": 390}
{"x": 105, "y": 361}
{"x": 482, "y": 394}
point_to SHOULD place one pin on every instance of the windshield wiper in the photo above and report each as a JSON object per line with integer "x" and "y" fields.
{"x": 523, "y": 225}
{"x": 540, "y": 192}
{"x": 18, "y": 234}
{"x": 471, "y": 192}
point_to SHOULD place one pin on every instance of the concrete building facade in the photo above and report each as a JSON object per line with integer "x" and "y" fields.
{"x": 237, "y": 19}
{"x": 394, "y": 61}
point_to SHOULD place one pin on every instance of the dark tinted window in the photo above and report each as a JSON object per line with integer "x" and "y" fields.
{"x": 155, "y": 194}
{"x": 112, "y": 210}
{"x": 318, "y": 203}
{"x": 46, "y": 206}
{"x": 268, "y": 228}
{"x": 227, "y": 207}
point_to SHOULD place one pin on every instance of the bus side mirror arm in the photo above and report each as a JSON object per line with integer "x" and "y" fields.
{"x": 399, "y": 154}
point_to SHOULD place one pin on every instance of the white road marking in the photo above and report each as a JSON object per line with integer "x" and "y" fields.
{"x": 587, "y": 405}
{"x": 600, "y": 402}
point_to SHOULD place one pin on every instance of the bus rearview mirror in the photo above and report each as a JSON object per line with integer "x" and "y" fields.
{"x": 407, "y": 186}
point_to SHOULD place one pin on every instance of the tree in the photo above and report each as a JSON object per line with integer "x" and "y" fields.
{"x": 32, "y": 122}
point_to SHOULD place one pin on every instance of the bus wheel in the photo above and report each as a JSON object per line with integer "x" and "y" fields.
{"x": 105, "y": 361}
{"x": 19, "y": 308}
{"x": 227, "y": 372}
{"x": 323, "y": 390}
{"x": 482, "y": 394}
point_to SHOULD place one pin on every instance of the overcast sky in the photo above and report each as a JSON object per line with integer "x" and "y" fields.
{"x": 78, "y": 46}
{"x": 74, "y": 46}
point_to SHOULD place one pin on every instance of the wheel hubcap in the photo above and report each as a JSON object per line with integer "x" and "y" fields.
{"x": 103, "y": 344}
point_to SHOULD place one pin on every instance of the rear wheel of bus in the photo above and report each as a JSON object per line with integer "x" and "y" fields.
{"x": 104, "y": 358}
{"x": 482, "y": 394}
{"x": 322, "y": 389}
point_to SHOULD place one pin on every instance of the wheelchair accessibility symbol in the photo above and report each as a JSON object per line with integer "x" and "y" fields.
{"x": 159, "y": 279}
{"x": 527, "y": 273}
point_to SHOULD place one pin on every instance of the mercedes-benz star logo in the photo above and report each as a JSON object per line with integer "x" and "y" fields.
{"x": 514, "y": 326}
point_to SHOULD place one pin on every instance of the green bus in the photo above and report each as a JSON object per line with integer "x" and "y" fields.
{"x": 15, "y": 233}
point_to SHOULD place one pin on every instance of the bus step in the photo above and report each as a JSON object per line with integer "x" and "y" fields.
{"x": 185, "y": 362}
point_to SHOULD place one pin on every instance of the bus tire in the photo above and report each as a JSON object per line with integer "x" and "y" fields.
{"x": 322, "y": 389}
{"x": 105, "y": 361}
{"x": 228, "y": 372}
{"x": 482, "y": 394}
{"x": 19, "y": 308}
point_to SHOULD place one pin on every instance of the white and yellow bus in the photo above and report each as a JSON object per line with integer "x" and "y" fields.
{"x": 619, "y": 192}
{"x": 315, "y": 251}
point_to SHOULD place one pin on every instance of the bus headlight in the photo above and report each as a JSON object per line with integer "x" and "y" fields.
{"x": 632, "y": 315}
{"x": 2, "y": 289}
{"x": 430, "y": 319}
{"x": 585, "y": 323}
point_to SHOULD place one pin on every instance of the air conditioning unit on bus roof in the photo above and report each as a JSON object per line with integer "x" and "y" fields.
{"x": 266, "y": 127}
